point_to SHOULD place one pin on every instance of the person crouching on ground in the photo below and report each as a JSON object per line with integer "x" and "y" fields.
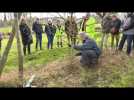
{"x": 89, "y": 51}
{"x": 27, "y": 39}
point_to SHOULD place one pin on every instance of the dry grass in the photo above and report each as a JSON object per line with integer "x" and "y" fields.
{"x": 68, "y": 72}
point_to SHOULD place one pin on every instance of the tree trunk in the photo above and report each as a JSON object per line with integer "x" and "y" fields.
{"x": 6, "y": 51}
{"x": 19, "y": 47}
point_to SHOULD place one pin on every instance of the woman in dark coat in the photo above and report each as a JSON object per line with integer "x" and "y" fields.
{"x": 26, "y": 36}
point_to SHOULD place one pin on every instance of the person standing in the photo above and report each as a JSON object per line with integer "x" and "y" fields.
{"x": 37, "y": 28}
{"x": 88, "y": 25}
{"x": 128, "y": 33}
{"x": 26, "y": 36}
{"x": 115, "y": 27}
{"x": 59, "y": 34}
{"x": 50, "y": 31}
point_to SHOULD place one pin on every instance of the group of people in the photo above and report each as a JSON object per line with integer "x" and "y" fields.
{"x": 89, "y": 51}
{"x": 50, "y": 30}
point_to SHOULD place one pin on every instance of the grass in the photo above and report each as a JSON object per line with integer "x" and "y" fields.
{"x": 37, "y": 57}
{"x": 6, "y": 29}
{"x": 53, "y": 68}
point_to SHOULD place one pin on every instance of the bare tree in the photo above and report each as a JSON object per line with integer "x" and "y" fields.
{"x": 7, "y": 49}
{"x": 19, "y": 46}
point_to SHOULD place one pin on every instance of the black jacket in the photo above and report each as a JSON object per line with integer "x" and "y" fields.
{"x": 116, "y": 24}
{"x": 25, "y": 34}
{"x": 37, "y": 28}
{"x": 106, "y": 24}
{"x": 88, "y": 44}
{"x": 50, "y": 29}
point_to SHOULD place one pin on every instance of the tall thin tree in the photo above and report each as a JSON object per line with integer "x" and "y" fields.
{"x": 19, "y": 46}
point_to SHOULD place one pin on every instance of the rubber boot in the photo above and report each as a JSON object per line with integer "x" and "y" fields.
{"x": 58, "y": 44}
{"x": 61, "y": 44}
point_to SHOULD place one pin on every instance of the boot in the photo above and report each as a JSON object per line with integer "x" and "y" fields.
{"x": 29, "y": 50}
{"x": 58, "y": 44}
{"x": 61, "y": 44}
{"x": 24, "y": 50}
{"x": 52, "y": 46}
{"x": 69, "y": 45}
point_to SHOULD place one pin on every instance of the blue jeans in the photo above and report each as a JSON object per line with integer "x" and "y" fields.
{"x": 130, "y": 39}
{"x": 39, "y": 40}
{"x": 50, "y": 41}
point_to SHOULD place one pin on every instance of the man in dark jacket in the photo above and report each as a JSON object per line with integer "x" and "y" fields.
{"x": 89, "y": 51}
{"x": 50, "y": 31}
{"x": 26, "y": 36}
{"x": 115, "y": 27}
{"x": 37, "y": 28}
{"x": 128, "y": 33}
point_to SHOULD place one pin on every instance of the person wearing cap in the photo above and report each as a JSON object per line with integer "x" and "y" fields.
{"x": 128, "y": 33}
{"x": 37, "y": 28}
{"x": 59, "y": 34}
{"x": 27, "y": 39}
{"x": 50, "y": 31}
{"x": 89, "y": 51}
{"x": 115, "y": 27}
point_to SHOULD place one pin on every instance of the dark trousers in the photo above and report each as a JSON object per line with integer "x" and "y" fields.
{"x": 130, "y": 39}
{"x": 122, "y": 42}
{"x": 89, "y": 58}
{"x": 39, "y": 40}
{"x": 0, "y": 44}
{"x": 50, "y": 41}
{"x": 26, "y": 47}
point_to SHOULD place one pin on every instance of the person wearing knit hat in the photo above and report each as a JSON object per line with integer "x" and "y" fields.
{"x": 89, "y": 51}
